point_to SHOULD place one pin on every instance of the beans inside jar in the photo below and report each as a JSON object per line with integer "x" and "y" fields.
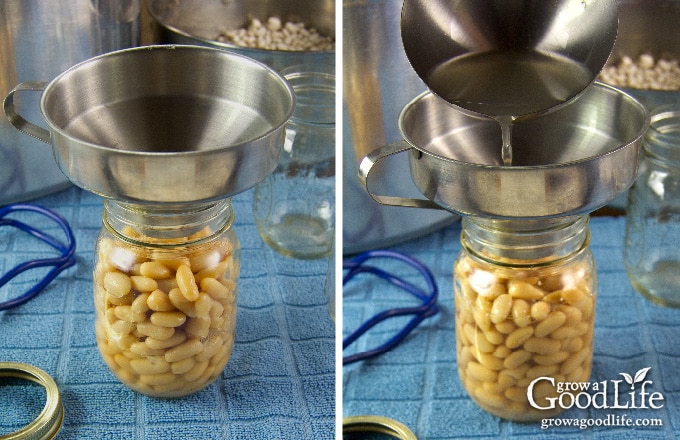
{"x": 516, "y": 325}
{"x": 166, "y": 318}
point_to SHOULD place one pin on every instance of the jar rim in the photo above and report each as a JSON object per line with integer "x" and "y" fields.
{"x": 171, "y": 222}
{"x": 662, "y": 139}
{"x": 528, "y": 263}
{"x": 525, "y": 243}
{"x": 314, "y": 93}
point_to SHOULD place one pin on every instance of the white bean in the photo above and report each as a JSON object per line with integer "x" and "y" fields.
{"x": 275, "y": 35}
{"x": 117, "y": 284}
{"x": 187, "y": 283}
{"x": 153, "y": 340}
{"x": 186, "y": 349}
{"x": 150, "y": 365}
{"x": 168, "y": 319}
{"x": 643, "y": 73}
{"x": 544, "y": 329}
{"x": 155, "y": 331}
{"x": 143, "y": 284}
{"x": 177, "y": 338}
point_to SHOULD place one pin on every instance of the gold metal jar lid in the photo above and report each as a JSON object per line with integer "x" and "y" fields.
{"x": 49, "y": 421}
{"x": 378, "y": 425}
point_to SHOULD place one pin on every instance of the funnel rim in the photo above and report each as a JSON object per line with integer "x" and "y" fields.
{"x": 56, "y": 128}
{"x": 527, "y": 168}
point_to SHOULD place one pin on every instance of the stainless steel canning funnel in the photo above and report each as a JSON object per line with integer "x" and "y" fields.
{"x": 508, "y": 57}
{"x": 163, "y": 124}
{"x": 570, "y": 161}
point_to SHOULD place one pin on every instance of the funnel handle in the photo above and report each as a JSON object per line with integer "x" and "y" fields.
{"x": 376, "y": 156}
{"x": 17, "y": 120}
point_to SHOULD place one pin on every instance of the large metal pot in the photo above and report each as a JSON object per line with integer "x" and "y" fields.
{"x": 648, "y": 27}
{"x": 377, "y": 82}
{"x": 571, "y": 161}
{"x": 201, "y": 21}
{"x": 144, "y": 125}
{"x": 38, "y": 40}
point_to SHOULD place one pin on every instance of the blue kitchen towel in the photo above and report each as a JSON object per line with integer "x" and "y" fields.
{"x": 417, "y": 382}
{"x": 278, "y": 384}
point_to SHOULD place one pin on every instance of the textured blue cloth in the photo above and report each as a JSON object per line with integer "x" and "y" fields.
{"x": 417, "y": 382}
{"x": 278, "y": 384}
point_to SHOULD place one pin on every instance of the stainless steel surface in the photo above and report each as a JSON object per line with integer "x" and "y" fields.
{"x": 38, "y": 40}
{"x": 570, "y": 161}
{"x": 377, "y": 82}
{"x": 201, "y": 21}
{"x": 480, "y": 54}
{"x": 145, "y": 125}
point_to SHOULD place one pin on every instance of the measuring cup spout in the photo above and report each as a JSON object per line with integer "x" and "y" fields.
{"x": 19, "y": 122}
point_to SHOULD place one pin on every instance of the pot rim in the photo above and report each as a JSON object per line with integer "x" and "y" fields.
{"x": 207, "y": 41}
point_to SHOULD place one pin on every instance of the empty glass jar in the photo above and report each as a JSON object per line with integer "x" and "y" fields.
{"x": 329, "y": 285}
{"x": 525, "y": 307}
{"x": 652, "y": 244}
{"x": 294, "y": 207}
{"x": 165, "y": 294}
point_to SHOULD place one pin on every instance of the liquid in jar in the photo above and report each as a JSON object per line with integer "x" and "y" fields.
{"x": 523, "y": 316}
{"x": 166, "y": 302}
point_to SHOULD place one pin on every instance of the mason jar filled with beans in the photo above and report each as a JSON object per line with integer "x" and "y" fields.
{"x": 165, "y": 285}
{"x": 524, "y": 310}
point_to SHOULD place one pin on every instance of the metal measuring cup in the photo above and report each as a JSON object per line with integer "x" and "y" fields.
{"x": 508, "y": 57}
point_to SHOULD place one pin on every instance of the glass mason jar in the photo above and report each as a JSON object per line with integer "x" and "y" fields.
{"x": 294, "y": 207}
{"x": 652, "y": 243}
{"x": 524, "y": 310}
{"x": 329, "y": 285}
{"x": 165, "y": 294}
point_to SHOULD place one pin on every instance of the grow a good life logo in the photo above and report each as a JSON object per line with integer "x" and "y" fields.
{"x": 631, "y": 392}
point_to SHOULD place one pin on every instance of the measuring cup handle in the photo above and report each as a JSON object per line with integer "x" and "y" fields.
{"x": 17, "y": 120}
{"x": 366, "y": 166}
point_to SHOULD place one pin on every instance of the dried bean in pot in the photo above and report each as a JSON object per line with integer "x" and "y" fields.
{"x": 274, "y": 34}
{"x": 645, "y": 73}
